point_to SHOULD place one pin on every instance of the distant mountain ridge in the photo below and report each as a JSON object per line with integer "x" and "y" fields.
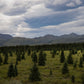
{"x": 8, "y": 40}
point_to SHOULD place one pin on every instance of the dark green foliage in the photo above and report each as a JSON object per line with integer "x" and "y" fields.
{"x": 81, "y": 62}
{"x": 53, "y": 55}
{"x": 62, "y": 57}
{"x": 0, "y": 60}
{"x": 6, "y": 59}
{"x": 83, "y": 57}
{"x": 34, "y": 57}
{"x": 73, "y": 79}
{"x": 65, "y": 68}
{"x": 16, "y": 71}
{"x": 16, "y": 62}
{"x": 41, "y": 59}
{"x": 11, "y": 71}
{"x": 34, "y": 75}
{"x": 70, "y": 59}
{"x": 23, "y": 55}
{"x": 45, "y": 56}
{"x": 18, "y": 57}
{"x": 10, "y": 53}
{"x": 50, "y": 72}
{"x": 82, "y": 78}
{"x": 75, "y": 64}
{"x": 29, "y": 52}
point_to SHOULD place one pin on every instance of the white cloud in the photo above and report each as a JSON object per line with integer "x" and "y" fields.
{"x": 14, "y": 12}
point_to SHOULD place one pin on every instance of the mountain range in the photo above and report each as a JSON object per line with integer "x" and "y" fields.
{"x": 8, "y": 40}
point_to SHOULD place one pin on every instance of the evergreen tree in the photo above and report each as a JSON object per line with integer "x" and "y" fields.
{"x": 10, "y": 53}
{"x": 29, "y": 52}
{"x": 50, "y": 72}
{"x": 6, "y": 59}
{"x": 70, "y": 59}
{"x": 16, "y": 71}
{"x": 41, "y": 59}
{"x": 62, "y": 57}
{"x": 16, "y": 62}
{"x": 83, "y": 57}
{"x": 0, "y": 60}
{"x": 18, "y": 57}
{"x": 65, "y": 68}
{"x": 82, "y": 78}
{"x": 34, "y": 57}
{"x": 53, "y": 55}
{"x": 73, "y": 78}
{"x": 34, "y": 75}
{"x": 23, "y": 55}
{"x": 45, "y": 56}
{"x": 75, "y": 64}
{"x": 81, "y": 62}
{"x": 11, "y": 71}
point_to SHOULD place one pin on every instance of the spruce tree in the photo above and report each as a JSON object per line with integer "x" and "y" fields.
{"x": 50, "y": 72}
{"x": 81, "y": 62}
{"x": 65, "y": 68}
{"x": 11, "y": 71}
{"x": 75, "y": 65}
{"x": 29, "y": 52}
{"x": 16, "y": 71}
{"x": 23, "y": 55}
{"x": 82, "y": 78}
{"x": 53, "y": 55}
{"x": 34, "y": 57}
{"x": 0, "y": 60}
{"x": 73, "y": 78}
{"x": 83, "y": 57}
{"x": 41, "y": 59}
{"x": 45, "y": 56}
{"x": 16, "y": 62}
{"x": 34, "y": 75}
{"x": 62, "y": 57}
{"x": 70, "y": 59}
{"x": 6, "y": 59}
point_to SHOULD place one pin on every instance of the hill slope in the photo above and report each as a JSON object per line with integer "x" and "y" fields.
{"x": 7, "y": 40}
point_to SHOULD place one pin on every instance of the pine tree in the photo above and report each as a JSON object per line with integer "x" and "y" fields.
{"x": 18, "y": 57}
{"x": 53, "y": 55}
{"x": 45, "y": 56}
{"x": 73, "y": 78}
{"x": 75, "y": 65}
{"x": 81, "y": 62}
{"x": 6, "y": 59}
{"x": 16, "y": 62}
{"x": 16, "y": 71}
{"x": 34, "y": 75}
{"x": 83, "y": 57}
{"x": 65, "y": 68}
{"x": 0, "y": 60}
{"x": 41, "y": 59}
{"x": 70, "y": 59}
{"x": 10, "y": 53}
{"x": 34, "y": 57}
{"x": 23, "y": 55}
{"x": 82, "y": 78}
{"x": 62, "y": 57}
{"x": 11, "y": 71}
{"x": 50, "y": 72}
{"x": 29, "y": 52}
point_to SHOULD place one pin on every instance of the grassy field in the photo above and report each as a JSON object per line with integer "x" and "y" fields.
{"x": 51, "y": 63}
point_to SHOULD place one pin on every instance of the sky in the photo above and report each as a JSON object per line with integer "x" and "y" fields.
{"x": 35, "y": 18}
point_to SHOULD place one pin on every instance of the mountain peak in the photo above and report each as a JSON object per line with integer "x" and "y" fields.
{"x": 73, "y": 34}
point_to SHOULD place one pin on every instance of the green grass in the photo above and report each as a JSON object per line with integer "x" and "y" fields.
{"x": 52, "y": 63}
